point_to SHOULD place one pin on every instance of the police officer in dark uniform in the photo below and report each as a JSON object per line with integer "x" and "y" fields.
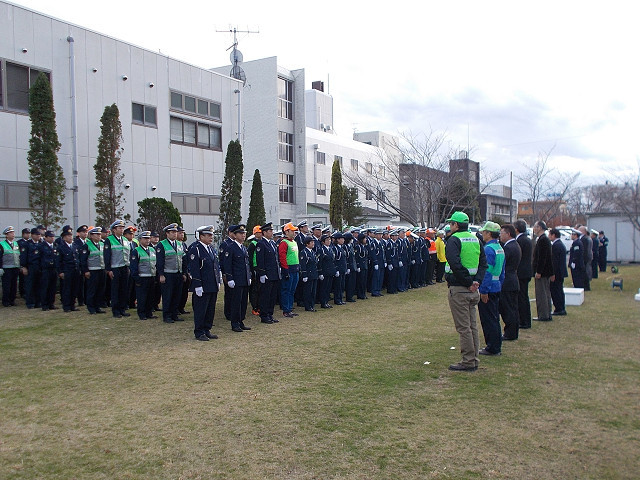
{"x": 22, "y": 244}
{"x": 340, "y": 259}
{"x": 391, "y": 254}
{"x": 184, "y": 294}
{"x": 206, "y": 277}
{"x": 308, "y": 274}
{"x": 143, "y": 273}
{"x": 326, "y": 270}
{"x": 237, "y": 273}
{"x": 169, "y": 261}
{"x": 91, "y": 259}
{"x": 30, "y": 263}
{"x": 116, "y": 260}
{"x": 224, "y": 245}
{"x": 48, "y": 278}
{"x": 350, "y": 276}
{"x": 79, "y": 242}
{"x": 267, "y": 273}
{"x": 576, "y": 260}
{"x": 67, "y": 267}
{"x": 157, "y": 293}
{"x": 361, "y": 255}
{"x": 403, "y": 262}
{"x": 9, "y": 266}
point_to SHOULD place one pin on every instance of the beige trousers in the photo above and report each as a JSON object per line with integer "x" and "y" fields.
{"x": 463, "y": 304}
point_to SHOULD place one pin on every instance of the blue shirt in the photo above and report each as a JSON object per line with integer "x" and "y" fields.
{"x": 489, "y": 285}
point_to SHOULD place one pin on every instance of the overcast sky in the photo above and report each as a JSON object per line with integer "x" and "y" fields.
{"x": 511, "y": 79}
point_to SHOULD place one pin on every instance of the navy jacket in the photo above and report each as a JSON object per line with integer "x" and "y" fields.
{"x": 67, "y": 258}
{"x": 392, "y": 253}
{"x": 235, "y": 264}
{"x": 414, "y": 252}
{"x": 308, "y": 264}
{"x": 30, "y": 255}
{"x": 559, "y": 260}
{"x": 512, "y": 257}
{"x": 203, "y": 268}
{"x": 361, "y": 255}
{"x": 340, "y": 258}
{"x": 576, "y": 255}
{"x": 267, "y": 260}
{"x": 48, "y": 256}
{"x": 326, "y": 262}
{"x": 223, "y": 246}
{"x": 525, "y": 268}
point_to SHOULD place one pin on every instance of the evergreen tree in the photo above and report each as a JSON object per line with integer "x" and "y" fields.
{"x": 46, "y": 190}
{"x": 108, "y": 202}
{"x": 231, "y": 195}
{"x": 337, "y": 195}
{"x": 257, "y": 215}
{"x": 352, "y": 212}
{"x": 156, "y": 213}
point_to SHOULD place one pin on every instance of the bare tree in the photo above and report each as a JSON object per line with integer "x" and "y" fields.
{"x": 623, "y": 197}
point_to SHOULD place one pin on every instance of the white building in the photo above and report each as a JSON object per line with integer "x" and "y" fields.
{"x": 177, "y": 118}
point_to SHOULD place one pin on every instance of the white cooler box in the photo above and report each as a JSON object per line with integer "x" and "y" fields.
{"x": 574, "y": 296}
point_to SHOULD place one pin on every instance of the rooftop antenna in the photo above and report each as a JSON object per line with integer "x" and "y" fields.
{"x": 236, "y": 56}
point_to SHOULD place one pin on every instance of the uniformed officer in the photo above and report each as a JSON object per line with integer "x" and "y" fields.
{"x": 340, "y": 259}
{"x": 170, "y": 262}
{"x": 9, "y": 266}
{"x": 254, "y": 294}
{"x": 309, "y": 274}
{"x": 351, "y": 273}
{"x": 157, "y": 293}
{"x": 22, "y": 243}
{"x": 361, "y": 255}
{"x": 301, "y": 235}
{"x": 184, "y": 294}
{"x": 143, "y": 273}
{"x": 48, "y": 278}
{"x": 403, "y": 261}
{"x": 415, "y": 259}
{"x": 67, "y": 267}
{"x": 267, "y": 273}
{"x": 238, "y": 277}
{"x": 116, "y": 264}
{"x": 316, "y": 231}
{"x": 576, "y": 260}
{"x": 79, "y": 242}
{"x": 377, "y": 258}
{"x": 206, "y": 277}
{"x": 30, "y": 263}
{"x": 226, "y": 243}
{"x": 91, "y": 260}
{"x": 326, "y": 270}
{"x": 129, "y": 234}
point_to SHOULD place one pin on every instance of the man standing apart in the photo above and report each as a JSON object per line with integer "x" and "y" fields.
{"x": 524, "y": 274}
{"x": 289, "y": 264}
{"x": 489, "y": 289}
{"x": 511, "y": 285}
{"x": 559, "y": 262}
{"x": 465, "y": 269}
{"x": 543, "y": 268}
{"x": 205, "y": 275}
{"x": 235, "y": 262}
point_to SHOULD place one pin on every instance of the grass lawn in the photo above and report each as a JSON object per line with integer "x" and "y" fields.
{"x": 343, "y": 393}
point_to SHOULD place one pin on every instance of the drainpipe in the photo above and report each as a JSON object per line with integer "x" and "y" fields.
{"x": 74, "y": 131}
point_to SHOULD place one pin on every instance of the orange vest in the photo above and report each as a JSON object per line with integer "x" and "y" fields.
{"x": 432, "y": 247}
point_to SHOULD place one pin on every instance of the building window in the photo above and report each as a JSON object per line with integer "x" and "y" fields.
{"x": 321, "y": 189}
{"x": 188, "y": 132}
{"x": 14, "y": 196}
{"x": 285, "y": 146}
{"x": 286, "y": 188}
{"x": 17, "y": 79}
{"x": 382, "y": 171}
{"x": 143, "y": 114}
{"x": 368, "y": 167}
{"x": 354, "y": 164}
{"x": 368, "y": 194}
{"x": 321, "y": 158}
{"x": 196, "y": 106}
{"x": 196, "y": 204}
{"x": 285, "y": 98}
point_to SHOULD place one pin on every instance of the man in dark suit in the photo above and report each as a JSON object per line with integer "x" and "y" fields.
{"x": 235, "y": 264}
{"x": 30, "y": 263}
{"x": 543, "y": 270}
{"x": 603, "y": 243}
{"x": 48, "y": 278}
{"x": 79, "y": 242}
{"x": 576, "y": 260}
{"x": 559, "y": 261}
{"x": 205, "y": 275}
{"x": 587, "y": 255}
{"x": 524, "y": 274}
{"x": 267, "y": 273}
{"x": 309, "y": 274}
{"x": 511, "y": 285}
{"x": 68, "y": 270}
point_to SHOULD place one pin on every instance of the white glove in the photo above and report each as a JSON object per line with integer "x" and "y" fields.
{"x": 249, "y": 281}
{"x": 385, "y": 264}
{"x": 305, "y": 279}
{"x": 199, "y": 291}
{"x": 320, "y": 277}
{"x": 1, "y": 271}
{"x": 390, "y": 267}
{"x": 231, "y": 284}
{"x": 413, "y": 262}
{"x": 573, "y": 265}
{"x": 399, "y": 264}
{"x": 375, "y": 267}
{"x": 337, "y": 274}
{"x": 263, "y": 278}
{"x": 358, "y": 270}
{"x": 348, "y": 271}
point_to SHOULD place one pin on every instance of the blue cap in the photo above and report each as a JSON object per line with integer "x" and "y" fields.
{"x": 117, "y": 223}
{"x": 172, "y": 227}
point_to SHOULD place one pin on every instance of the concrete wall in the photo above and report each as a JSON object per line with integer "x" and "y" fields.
{"x": 624, "y": 241}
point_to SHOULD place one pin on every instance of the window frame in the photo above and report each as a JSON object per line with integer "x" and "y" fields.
{"x": 210, "y": 116}
{"x": 4, "y": 84}
{"x": 197, "y": 143}
{"x": 321, "y": 189}
{"x": 285, "y": 149}
{"x": 285, "y": 98}
{"x": 144, "y": 121}
{"x": 286, "y": 191}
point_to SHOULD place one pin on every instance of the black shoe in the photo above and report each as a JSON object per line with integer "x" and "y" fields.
{"x": 117, "y": 315}
{"x": 152, "y": 316}
{"x": 183, "y": 312}
{"x": 53, "y": 307}
{"x": 80, "y": 304}
{"x": 99, "y": 311}
{"x": 561, "y": 313}
{"x": 211, "y": 335}
{"x": 326, "y": 305}
{"x": 142, "y": 318}
{"x": 339, "y": 303}
{"x": 274, "y": 320}
{"x": 310, "y": 310}
{"x": 508, "y": 339}
{"x": 92, "y": 313}
{"x": 287, "y": 314}
{"x": 45, "y": 309}
{"x": 244, "y": 327}
{"x": 524, "y": 327}
{"x": 458, "y": 367}
{"x": 126, "y": 314}
{"x": 237, "y": 329}
{"x": 168, "y": 320}
{"x": 266, "y": 320}
{"x": 178, "y": 319}
{"x": 203, "y": 338}
{"x": 351, "y": 301}
{"x": 484, "y": 351}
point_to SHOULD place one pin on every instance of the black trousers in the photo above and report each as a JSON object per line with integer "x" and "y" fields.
{"x": 524, "y": 306}
{"x": 238, "y": 298}
{"x": 309, "y": 293}
{"x": 440, "y": 271}
{"x": 81, "y": 289}
{"x": 131, "y": 301}
{"x": 509, "y": 312}
{"x": 338, "y": 288}
{"x": 578, "y": 278}
{"x": 69, "y": 289}
{"x": 414, "y": 275}
{"x": 10, "y": 286}
{"x": 267, "y": 297}
{"x": 171, "y": 291}
{"x": 204, "y": 309}
{"x": 361, "y": 282}
{"x": 490, "y": 320}
{"x": 144, "y": 296}
{"x": 557, "y": 294}
{"x": 325, "y": 287}
{"x": 94, "y": 293}
{"x": 119, "y": 290}
{"x": 184, "y": 296}
{"x": 594, "y": 268}
{"x": 602, "y": 260}
{"x": 392, "y": 280}
{"x": 431, "y": 266}
{"x": 48, "y": 284}
{"x": 32, "y": 287}
{"x": 254, "y": 291}
{"x": 350, "y": 285}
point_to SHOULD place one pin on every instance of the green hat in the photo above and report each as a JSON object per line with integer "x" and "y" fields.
{"x": 447, "y": 228}
{"x": 490, "y": 227}
{"x": 460, "y": 217}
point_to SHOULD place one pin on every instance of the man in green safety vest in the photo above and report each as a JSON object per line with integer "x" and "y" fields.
{"x": 465, "y": 269}
{"x": 9, "y": 266}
